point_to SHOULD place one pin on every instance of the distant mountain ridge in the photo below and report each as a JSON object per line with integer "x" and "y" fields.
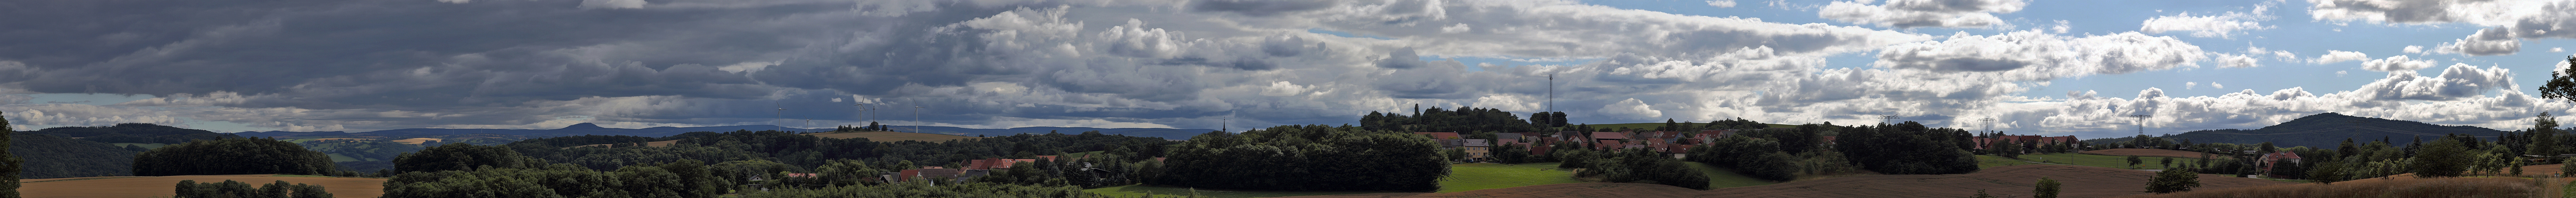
{"x": 595, "y": 129}
{"x": 2329, "y": 130}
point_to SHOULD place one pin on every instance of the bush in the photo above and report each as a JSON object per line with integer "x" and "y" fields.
{"x": 232, "y": 157}
{"x": 230, "y": 188}
{"x": 2173, "y": 180}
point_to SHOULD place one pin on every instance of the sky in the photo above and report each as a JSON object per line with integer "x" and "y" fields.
{"x": 2036, "y": 67}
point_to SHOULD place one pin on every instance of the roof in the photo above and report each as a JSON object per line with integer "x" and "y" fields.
{"x": 944, "y": 172}
{"x": 1511, "y": 136}
{"x": 907, "y": 174}
{"x": 1609, "y": 135}
{"x": 1476, "y": 142}
{"x": 1440, "y": 135}
{"x": 1677, "y": 148}
{"x": 1047, "y": 157}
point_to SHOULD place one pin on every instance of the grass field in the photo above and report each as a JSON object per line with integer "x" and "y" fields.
{"x": 1725, "y": 178}
{"x": 2121, "y": 162}
{"x": 1652, "y": 125}
{"x": 1480, "y": 176}
{"x": 892, "y": 136}
{"x": 1160, "y": 191}
{"x": 144, "y": 145}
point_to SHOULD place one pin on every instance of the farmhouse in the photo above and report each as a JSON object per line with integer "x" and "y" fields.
{"x": 2277, "y": 157}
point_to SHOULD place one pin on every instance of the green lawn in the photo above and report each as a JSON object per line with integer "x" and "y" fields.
{"x": 1161, "y": 191}
{"x": 1725, "y": 178}
{"x": 145, "y": 145}
{"x": 2121, "y": 162}
{"x": 1480, "y": 176}
{"x": 1652, "y": 125}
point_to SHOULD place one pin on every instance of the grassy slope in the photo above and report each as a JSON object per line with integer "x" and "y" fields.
{"x": 1725, "y": 178}
{"x": 2122, "y": 162}
{"x": 1466, "y": 177}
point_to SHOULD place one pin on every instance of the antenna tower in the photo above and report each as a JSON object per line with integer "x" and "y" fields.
{"x": 2142, "y": 123}
{"x": 1990, "y": 124}
{"x": 1883, "y": 119}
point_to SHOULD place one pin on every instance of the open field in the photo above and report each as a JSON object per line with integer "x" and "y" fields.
{"x": 1722, "y": 177}
{"x": 2122, "y": 162}
{"x": 1652, "y": 125}
{"x": 2146, "y": 153}
{"x": 161, "y": 186}
{"x": 1161, "y": 191}
{"x": 2010, "y": 181}
{"x": 2407, "y": 186}
{"x": 1480, "y": 176}
{"x": 892, "y": 136}
{"x": 416, "y": 140}
{"x": 144, "y": 145}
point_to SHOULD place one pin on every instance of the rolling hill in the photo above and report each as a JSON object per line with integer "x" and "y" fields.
{"x": 2324, "y": 130}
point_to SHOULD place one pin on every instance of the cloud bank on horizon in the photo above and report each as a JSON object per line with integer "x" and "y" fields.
{"x": 2055, "y": 68}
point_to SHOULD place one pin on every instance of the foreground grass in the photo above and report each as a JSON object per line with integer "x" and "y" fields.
{"x": 1162, "y": 191}
{"x": 2399, "y": 187}
{"x": 1480, "y": 176}
{"x": 1725, "y": 178}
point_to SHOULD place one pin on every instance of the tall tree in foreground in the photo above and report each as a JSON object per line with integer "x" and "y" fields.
{"x": 9, "y": 163}
{"x": 2442, "y": 158}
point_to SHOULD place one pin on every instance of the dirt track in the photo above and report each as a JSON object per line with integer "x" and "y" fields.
{"x": 2008, "y": 181}
{"x": 162, "y": 186}
{"x": 2145, "y": 153}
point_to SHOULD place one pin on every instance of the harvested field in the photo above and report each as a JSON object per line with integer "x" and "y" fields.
{"x": 415, "y": 140}
{"x": 2008, "y": 181}
{"x": 161, "y": 186}
{"x": 2407, "y": 186}
{"x": 2145, "y": 153}
{"x": 892, "y": 136}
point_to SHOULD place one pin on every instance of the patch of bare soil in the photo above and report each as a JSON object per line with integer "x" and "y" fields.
{"x": 163, "y": 186}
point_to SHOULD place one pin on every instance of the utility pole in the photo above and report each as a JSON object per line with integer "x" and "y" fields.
{"x": 1551, "y": 92}
{"x": 863, "y": 112}
{"x": 2141, "y": 140}
{"x": 1990, "y": 124}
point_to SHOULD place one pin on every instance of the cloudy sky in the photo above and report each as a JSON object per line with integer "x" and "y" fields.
{"x": 2038, "y": 67}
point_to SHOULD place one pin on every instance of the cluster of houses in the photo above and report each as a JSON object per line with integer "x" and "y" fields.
{"x": 1674, "y": 143}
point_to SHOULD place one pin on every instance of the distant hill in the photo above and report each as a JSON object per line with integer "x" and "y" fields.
{"x": 2325, "y": 130}
{"x": 594, "y": 129}
{"x": 893, "y": 136}
{"x": 50, "y": 156}
{"x": 133, "y": 133}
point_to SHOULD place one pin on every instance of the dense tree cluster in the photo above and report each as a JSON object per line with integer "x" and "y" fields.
{"x": 677, "y": 179}
{"x": 237, "y": 189}
{"x": 1759, "y": 158}
{"x": 231, "y": 157}
{"x": 1309, "y": 157}
{"x": 462, "y": 157}
{"x": 1636, "y": 166}
{"x": 1461, "y": 120}
{"x": 1907, "y": 148}
{"x": 48, "y": 156}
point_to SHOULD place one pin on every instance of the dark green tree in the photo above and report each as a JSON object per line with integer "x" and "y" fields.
{"x": 232, "y": 157}
{"x": 2544, "y": 136}
{"x": 460, "y": 157}
{"x": 2561, "y": 84}
{"x": 2442, "y": 158}
{"x": 2173, "y": 180}
{"x": 2327, "y": 173}
{"x": 2134, "y": 161}
{"x": 2046, "y": 188}
{"x": 10, "y": 164}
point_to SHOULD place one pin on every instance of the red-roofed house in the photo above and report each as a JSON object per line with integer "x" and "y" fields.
{"x": 1613, "y": 136}
{"x": 2283, "y": 156}
{"x": 1678, "y": 150}
{"x": 1440, "y": 135}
